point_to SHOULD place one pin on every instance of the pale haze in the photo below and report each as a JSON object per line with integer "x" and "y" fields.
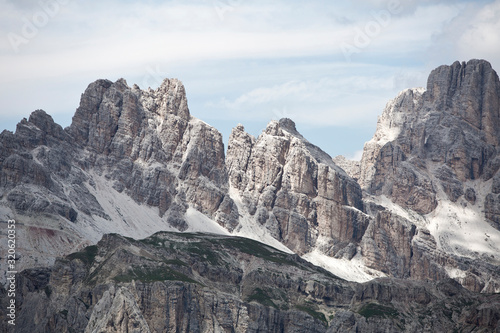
{"x": 331, "y": 67}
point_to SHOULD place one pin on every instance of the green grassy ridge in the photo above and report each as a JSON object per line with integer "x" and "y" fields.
{"x": 260, "y": 296}
{"x": 147, "y": 274}
{"x": 87, "y": 255}
{"x": 377, "y": 310}
{"x": 200, "y": 245}
{"x": 257, "y": 249}
{"x": 312, "y": 312}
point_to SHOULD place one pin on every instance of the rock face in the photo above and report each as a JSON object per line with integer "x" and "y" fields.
{"x": 436, "y": 139}
{"x": 132, "y": 161}
{"x": 206, "y": 283}
{"x": 147, "y": 143}
{"x": 295, "y": 190}
{"x": 422, "y": 204}
{"x": 435, "y": 152}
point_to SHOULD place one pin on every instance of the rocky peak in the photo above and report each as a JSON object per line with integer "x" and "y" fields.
{"x": 108, "y": 108}
{"x": 46, "y": 124}
{"x": 434, "y": 153}
{"x": 239, "y": 149}
{"x": 125, "y": 148}
{"x": 289, "y": 125}
{"x": 39, "y": 129}
{"x": 168, "y": 98}
{"x": 470, "y": 91}
{"x": 455, "y": 122}
{"x": 135, "y": 161}
{"x": 273, "y": 128}
{"x": 294, "y": 189}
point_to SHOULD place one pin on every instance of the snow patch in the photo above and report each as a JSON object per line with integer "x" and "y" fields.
{"x": 250, "y": 228}
{"x": 351, "y": 270}
{"x": 198, "y": 222}
{"x": 462, "y": 230}
{"x": 127, "y": 217}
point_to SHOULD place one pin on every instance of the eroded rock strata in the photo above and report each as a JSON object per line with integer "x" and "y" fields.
{"x": 422, "y": 205}
{"x": 173, "y": 282}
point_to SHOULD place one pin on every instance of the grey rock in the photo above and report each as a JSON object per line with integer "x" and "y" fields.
{"x": 142, "y": 144}
{"x": 387, "y": 245}
{"x": 451, "y": 185}
{"x": 142, "y": 148}
{"x": 470, "y": 195}
{"x": 428, "y": 145}
{"x": 495, "y": 187}
{"x": 294, "y": 189}
{"x": 352, "y": 168}
{"x": 207, "y": 283}
{"x": 453, "y": 123}
{"x": 492, "y": 209}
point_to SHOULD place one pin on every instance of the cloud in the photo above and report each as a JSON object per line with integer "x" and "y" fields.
{"x": 241, "y": 60}
{"x": 324, "y": 101}
{"x": 480, "y": 38}
{"x": 473, "y": 33}
{"x": 355, "y": 156}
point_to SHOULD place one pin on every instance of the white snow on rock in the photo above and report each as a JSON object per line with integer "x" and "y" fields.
{"x": 461, "y": 229}
{"x": 390, "y": 122}
{"x": 198, "y": 222}
{"x": 250, "y": 228}
{"x": 351, "y": 270}
{"x": 128, "y": 218}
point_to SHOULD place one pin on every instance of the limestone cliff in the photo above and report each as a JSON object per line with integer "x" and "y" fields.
{"x": 133, "y": 161}
{"x": 433, "y": 162}
{"x": 295, "y": 190}
{"x": 188, "y": 282}
{"x": 422, "y": 204}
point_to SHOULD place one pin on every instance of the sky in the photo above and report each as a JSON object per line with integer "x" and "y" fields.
{"x": 329, "y": 66}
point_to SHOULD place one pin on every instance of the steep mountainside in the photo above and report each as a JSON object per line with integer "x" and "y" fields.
{"x": 425, "y": 207}
{"x": 133, "y": 162}
{"x": 295, "y": 190}
{"x": 435, "y": 153}
{"x": 189, "y": 282}
{"x": 423, "y": 203}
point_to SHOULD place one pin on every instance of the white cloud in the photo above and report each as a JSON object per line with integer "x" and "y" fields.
{"x": 473, "y": 33}
{"x": 355, "y": 156}
{"x": 249, "y": 61}
{"x": 481, "y": 36}
{"x": 325, "y": 101}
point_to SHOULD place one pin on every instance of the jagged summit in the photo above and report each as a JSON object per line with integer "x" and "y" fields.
{"x": 135, "y": 162}
{"x": 469, "y": 91}
{"x": 294, "y": 189}
{"x": 424, "y": 205}
{"x": 435, "y": 152}
{"x": 132, "y": 162}
{"x": 289, "y": 125}
{"x": 455, "y": 123}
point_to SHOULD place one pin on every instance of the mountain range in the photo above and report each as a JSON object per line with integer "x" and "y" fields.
{"x": 135, "y": 218}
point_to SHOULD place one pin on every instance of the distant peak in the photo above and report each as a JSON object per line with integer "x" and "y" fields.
{"x": 239, "y": 128}
{"x": 287, "y": 124}
{"x": 454, "y": 76}
{"x": 122, "y": 81}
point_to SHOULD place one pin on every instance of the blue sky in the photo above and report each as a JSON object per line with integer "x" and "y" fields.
{"x": 330, "y": 66}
